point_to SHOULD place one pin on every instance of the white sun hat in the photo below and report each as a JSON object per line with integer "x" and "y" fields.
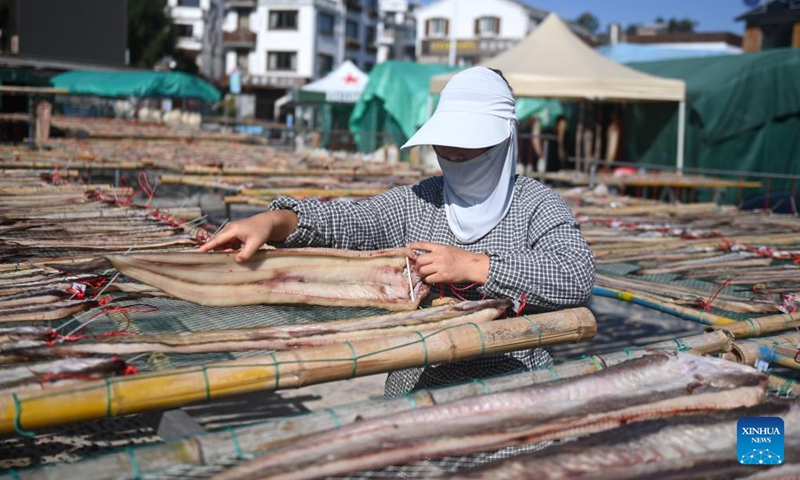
{"x": 474, "y": 111}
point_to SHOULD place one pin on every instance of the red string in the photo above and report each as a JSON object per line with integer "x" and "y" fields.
{"x": 706, "y": 304}
{"x": 123, "y": 310}
{"x": 144, "y": 184}
{"x": 456, "y": 289}
{"x": 523, "y": 301}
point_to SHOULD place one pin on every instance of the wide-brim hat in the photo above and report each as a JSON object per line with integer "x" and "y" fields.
{"x": 474, "y": 111}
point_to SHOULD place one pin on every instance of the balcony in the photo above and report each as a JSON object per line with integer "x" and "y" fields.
{"x": 239, "y": 39}
{"x": 241, "y": 4}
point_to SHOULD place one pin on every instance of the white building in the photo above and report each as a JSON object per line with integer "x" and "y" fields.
{"x": 464, "y": 32}
{"x": 189, "y": 20}
{"x": 278, "y": 45}
{"x": 397, "y": 31}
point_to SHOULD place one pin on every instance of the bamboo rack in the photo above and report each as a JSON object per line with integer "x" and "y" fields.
{"x": 217, "y": 447}
{"x": 756, "y": 327}
{"x": 290, "y": 369}
{"x": 663, "y": 306}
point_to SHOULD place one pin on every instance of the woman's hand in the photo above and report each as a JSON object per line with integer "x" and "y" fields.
{"x": 253, "y": 232}
{"x": 448, "y": 264}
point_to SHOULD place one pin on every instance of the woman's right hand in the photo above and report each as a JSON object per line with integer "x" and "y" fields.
{"x": 253, "y": 232}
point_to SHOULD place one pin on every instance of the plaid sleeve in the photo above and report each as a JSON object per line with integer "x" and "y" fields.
{"x": 555, "y": 272}
{"x": 370, "y": 224}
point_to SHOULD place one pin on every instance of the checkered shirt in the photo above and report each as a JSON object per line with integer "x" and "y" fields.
{"x": 537, "y": 254}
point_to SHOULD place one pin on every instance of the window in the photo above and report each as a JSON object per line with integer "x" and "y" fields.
{"x": 242, "y": 61}
{"x": 368, "y": 66}
{"x": 370, "y": 35}
{"x": 285, "y": 61}
{"x": 283, "y": 20}
{"x": 188, "y": 3}
{"x": 487, "y": 27}
{"x": 324, "y": 64}
{"x": 243, "y": 21}
{"x": 184, "y": 30}
{"x": 351, "y": 30}
{"x": 436, "y": 27}
{"x": 325, "y": 24}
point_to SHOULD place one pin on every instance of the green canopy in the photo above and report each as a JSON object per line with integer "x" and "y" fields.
{"x": 136, "y": 83}
{"x": 743, "y": 113}
{"x": 394, "y": 104}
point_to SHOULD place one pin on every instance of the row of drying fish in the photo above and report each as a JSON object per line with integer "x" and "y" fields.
{"x": 651, "y": 387}
{"x": 753, "y": 257}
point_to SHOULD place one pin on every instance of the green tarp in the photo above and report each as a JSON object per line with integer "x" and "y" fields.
{"x": 742, "y": 113}
{"x": 21, "y": 77}
{"x": 394, "y": 104}
{"x": 136, "y": 83}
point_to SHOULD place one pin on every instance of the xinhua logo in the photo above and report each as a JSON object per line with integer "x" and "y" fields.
{"x": 759, "y": 440}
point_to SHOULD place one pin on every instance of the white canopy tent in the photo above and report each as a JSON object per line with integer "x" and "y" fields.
{"x": 343, "y": 85}
{"x": 552, "y": 62}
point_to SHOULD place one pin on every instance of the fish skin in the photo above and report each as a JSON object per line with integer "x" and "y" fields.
{"x": 307, "y": 276}
{"x": 458, "y": 422}
{"x": 672, "y": 448}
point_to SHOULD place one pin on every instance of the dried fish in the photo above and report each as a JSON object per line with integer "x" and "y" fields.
{"x": 284, "y": 337}
{"x": 50, "y": 311}
{"x": 636, "y": 390}
{"x": 317, "y": 276}
{"x": 23, "y": 374}
{"x": 677, "y": 448}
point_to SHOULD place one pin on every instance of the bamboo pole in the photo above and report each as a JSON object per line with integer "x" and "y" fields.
{"x": 663, "y": 306}
{"x": 672, "y": 244}
{"x": 756, "y": 327}
{"x": 783, "y": 386}
{"x": 748, "y": 351}
{"x": 313, "y": 192}
{"x": 290, "y": 369}
{"x": 217, "y": 447}
{"x": 311, "y": 172}
{"x": 649, "y": 209}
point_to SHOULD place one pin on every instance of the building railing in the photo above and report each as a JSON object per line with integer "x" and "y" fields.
{"x": 239, "y": 37}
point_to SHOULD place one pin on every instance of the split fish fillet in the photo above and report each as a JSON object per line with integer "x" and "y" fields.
{"x": 314, "y": 276}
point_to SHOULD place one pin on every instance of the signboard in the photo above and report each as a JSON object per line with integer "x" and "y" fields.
{"x": 488, "y": 47}
{"x": 235, "y": 81}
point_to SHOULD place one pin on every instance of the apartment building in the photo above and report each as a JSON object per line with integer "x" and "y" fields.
{"x": 465, "y": 32}
{"x": 189, "y": 19}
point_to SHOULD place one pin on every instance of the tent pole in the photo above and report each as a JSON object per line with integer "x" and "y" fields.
{"x": 681, "y": 133}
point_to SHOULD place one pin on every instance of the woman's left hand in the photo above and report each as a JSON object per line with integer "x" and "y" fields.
{"x": 448, "y": 264}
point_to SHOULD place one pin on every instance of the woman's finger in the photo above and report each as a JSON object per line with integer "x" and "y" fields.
{"x": 248, "y": 250}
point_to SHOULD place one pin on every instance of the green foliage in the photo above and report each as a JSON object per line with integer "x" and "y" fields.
{"x": 588, "y": 21}
{"x": 684, "y": 25}
{"x": 5, "y": 23}
{"x": 151, "y": 35}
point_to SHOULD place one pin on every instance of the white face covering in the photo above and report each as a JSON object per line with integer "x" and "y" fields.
{"x": 478, "y": 192}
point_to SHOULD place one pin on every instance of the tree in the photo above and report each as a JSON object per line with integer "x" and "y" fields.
{"x": 588, "y": 21}
{"x": 684, "y": 25}
{"x": 5, "y": 22}
{"x": 151, "y": 35}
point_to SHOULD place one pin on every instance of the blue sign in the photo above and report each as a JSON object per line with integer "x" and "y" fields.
{"x": 759, "y": 440}
{"x": 235, "y": 80}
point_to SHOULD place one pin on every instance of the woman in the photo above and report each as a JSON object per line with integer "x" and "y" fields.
{"x": 480, "y": 229}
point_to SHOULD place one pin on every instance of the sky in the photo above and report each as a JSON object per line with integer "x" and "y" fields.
{"x": 711, "y": 15}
